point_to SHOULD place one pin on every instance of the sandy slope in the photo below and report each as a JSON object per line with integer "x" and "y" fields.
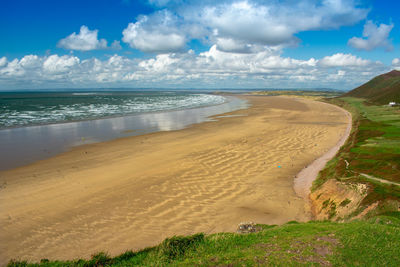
{"x": 134, "y": 192}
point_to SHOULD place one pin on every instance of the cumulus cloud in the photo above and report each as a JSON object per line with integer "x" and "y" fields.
{"x": 12, "y": 69}
{"x": 235, "y": 46}
{"x": 56, "y": 64}
{"x": 246, "y": 38}
{"x": 213, "y": 68}
{"x": 3, "y": 62}
{"x": 274, "y": 23}
{"x": 395, "y": 63}
{"x": 159, "y": 3}
{"x": 374, "y": 36}
{"x": 85, "y": 40}
{"x": 344, "y": 60}
{"x": 156, "y": 33}
{"x": 263, "y": 62}
{"x": 30, "y": 62}
{"x": 116, "y": 45}
{"x": 237, "y": 26}
{"x": 245, "y": 21}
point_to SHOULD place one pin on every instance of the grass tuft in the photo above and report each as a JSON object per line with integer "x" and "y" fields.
{"x": 177, "y": 246}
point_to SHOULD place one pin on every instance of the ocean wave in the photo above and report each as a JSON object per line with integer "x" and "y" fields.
{"x": 85, "y": 106}
{"x": 85, "y": 93}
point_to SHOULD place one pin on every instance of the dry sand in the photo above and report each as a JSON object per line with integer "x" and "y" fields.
{"x": 304, "y": 179}
{"x": 134, "y": 192}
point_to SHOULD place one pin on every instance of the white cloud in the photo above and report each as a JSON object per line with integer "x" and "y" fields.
{"x": 231, "y": 45}
{"x": 396, "y": 63}
{"x": 212, "y": 69}
{"x": 116, "y": 45}
{"x": 237, "y": 26}
{"x": 57, "y": 64}
{"x": 30, "y": 61}
{"x": 374, "y": 36}
{"x": 12, "y": 69}
{"x": 156, "y": 33}
{"x": 246, "y": 22}
{"x": 344, "y": 60}
{"x": 159, "y": 3}
{"x": 84, "y": 41}
{"x": 257, "y": 63}
{"x": 3, "y": 62}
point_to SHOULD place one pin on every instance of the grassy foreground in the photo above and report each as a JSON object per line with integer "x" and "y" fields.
{"x": 374, "y": 242}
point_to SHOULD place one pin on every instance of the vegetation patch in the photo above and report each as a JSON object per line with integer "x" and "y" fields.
{"x": 345, "y": 202}
{"x": 372, "y": 149}
{"x": 177, "y": 246}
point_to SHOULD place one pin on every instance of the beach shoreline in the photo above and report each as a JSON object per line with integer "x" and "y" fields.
{"x": 24, "y": 145}
{"x": 133, "y": 192}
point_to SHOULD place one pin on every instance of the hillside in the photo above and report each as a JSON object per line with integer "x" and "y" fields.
{"x": 362, "y": 180}
{"x": 380, "y": 90}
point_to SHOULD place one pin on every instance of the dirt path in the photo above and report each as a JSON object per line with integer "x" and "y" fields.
{"x": 379, "y": 179}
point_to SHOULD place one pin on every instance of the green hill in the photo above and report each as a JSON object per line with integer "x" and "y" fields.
{"x": 380, "y": 90}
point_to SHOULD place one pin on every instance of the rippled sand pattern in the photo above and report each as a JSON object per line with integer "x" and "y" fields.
{"x": 134, "y": 192}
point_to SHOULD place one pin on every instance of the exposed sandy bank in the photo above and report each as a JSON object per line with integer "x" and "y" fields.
{"x": 134, "y": 192}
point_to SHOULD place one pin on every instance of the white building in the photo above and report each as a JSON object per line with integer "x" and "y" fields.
{"x": 391, "y": 104}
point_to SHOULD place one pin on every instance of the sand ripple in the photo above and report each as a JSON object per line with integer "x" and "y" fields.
{"x": 134, "y": 192}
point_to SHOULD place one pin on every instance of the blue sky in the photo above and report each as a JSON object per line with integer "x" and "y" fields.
{"x": 196, "y": 44}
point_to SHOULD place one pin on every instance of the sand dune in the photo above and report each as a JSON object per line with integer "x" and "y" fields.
{"x": 134, "y": 192}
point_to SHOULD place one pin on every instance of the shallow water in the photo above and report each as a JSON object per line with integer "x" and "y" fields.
{"x": 24, "y": 145}
{"x": 37, "y": 108}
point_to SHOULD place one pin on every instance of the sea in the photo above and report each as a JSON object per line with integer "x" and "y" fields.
{"x": 39, "y": 125}
{"x": 37, "y": 108}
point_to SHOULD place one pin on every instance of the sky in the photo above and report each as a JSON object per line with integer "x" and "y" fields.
{"x": 195, "y": 44}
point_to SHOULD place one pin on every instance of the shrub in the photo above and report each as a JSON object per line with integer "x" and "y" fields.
{"x": 177, "y": 246}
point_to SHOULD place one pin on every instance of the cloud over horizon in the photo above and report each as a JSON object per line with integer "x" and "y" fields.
{"x": 203, "y": 43}
{"x": 213, "y": 68}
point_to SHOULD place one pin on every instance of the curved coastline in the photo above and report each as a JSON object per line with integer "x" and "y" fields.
{"x": 303, "y": 180}
{"x": 134, "y": 192}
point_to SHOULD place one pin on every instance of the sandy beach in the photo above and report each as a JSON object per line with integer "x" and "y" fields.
{"x": 134, "y": 192}
{"x": 305, "y": 178}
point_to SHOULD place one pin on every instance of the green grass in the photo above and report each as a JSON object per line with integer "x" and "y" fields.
{"x": 373, "y": 242}
{"x": 325, "y": 94}
{"x": 380, "y": 90}
{"x": 373, "y": 148}
{"x": 377, "y": 148}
